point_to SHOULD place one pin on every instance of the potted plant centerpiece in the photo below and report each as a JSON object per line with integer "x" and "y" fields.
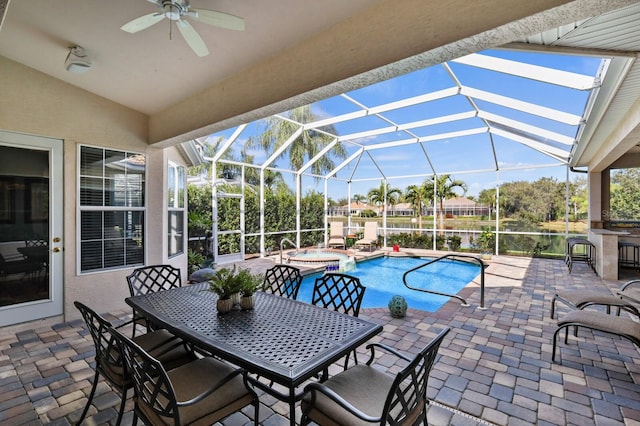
{"x": 249, "y": 284}
{"x": 232, "y": 286}
{"x": 225, "y": 283}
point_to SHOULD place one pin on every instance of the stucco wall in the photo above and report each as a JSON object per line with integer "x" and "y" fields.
{"x": 34, "y": 103}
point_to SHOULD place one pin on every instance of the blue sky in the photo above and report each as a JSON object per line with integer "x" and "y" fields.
{"x": 455, "y": 155}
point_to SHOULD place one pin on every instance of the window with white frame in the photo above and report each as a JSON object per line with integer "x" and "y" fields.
{"x": 176, "y": 194}
{"x": 112, "y": 208}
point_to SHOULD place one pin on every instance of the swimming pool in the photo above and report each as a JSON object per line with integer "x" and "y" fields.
{"x": 383, "y": 278}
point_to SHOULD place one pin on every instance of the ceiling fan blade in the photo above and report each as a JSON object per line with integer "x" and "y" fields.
{"x": 192, "y": 38}
{"x": 218, "y": 19}
{"x": 142, "y": 22}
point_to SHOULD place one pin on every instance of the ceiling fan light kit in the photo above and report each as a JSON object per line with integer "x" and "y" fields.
{"x": 178, "y": 10}
{"x": 77, "y": 61}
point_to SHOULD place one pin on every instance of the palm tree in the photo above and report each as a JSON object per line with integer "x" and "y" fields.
{"x": 304, "y": 147}
{"x": 445, "y": 188}
{"x": 384, "y": 192}
{"x": 359, "y": 197}
{"x": 488, "y": 197}
{"x": 416, "y": 195}
{"x": 272, "y": 178}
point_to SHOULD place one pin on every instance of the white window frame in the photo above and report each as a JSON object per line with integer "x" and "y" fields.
{"x": 177, "y": 205}
{"x": 81, "y": 208}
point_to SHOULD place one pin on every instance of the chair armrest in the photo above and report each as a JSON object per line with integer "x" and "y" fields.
{"x": 629, "y": 308}
{"x": 329, "y": 393}
{"x": 126, "y": 323}
{"x": 209, "y": 391}
{"x": 177, "y": 342}
{"x": 386, "y": 348}
{"x": 629, "y": 284}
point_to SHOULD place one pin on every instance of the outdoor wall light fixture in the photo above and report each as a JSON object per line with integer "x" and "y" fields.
{"x": 77, "y": 61}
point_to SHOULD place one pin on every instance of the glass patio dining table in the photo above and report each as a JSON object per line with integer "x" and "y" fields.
{"x": 281, "y": 340}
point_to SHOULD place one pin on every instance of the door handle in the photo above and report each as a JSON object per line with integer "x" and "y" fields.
{"x": 56, "y": 250}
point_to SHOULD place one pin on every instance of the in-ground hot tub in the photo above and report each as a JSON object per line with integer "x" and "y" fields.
{"x": 322, "y": 257}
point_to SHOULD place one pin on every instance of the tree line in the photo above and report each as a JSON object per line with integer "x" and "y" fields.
{"x": 540, "y": 201}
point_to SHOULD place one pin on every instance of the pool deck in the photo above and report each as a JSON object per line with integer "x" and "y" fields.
{"x": 494, "y": 367}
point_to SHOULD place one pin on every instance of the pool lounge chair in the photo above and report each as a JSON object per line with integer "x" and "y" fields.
{"x": 336, "y": 238}
{"x": 597, "y": 321}
{"x": 370, "y": 236}
{"x": 580, "y": 299}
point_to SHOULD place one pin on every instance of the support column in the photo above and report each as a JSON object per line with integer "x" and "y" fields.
{"x": 606, "y": 241}
{"x": 595, "y": 200}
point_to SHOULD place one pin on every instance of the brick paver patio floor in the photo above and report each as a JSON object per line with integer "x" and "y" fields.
{"x": 494, "y": 367}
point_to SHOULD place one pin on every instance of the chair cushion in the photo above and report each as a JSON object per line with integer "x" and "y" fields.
{"x": 363, "y": 386}
{"x": 157, "y": 344}
{"x": 336, "y": 241}
{"x": 579, "y": 298}
{"x": 603, "y": 322}
{"x": 196, "y": 377}
{"x": 114, "y": 373}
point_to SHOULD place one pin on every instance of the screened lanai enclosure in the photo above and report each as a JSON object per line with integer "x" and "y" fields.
{"x": 464, "y": 129}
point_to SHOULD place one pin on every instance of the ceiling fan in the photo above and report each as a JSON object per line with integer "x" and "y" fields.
{"x": 177, "y": 10}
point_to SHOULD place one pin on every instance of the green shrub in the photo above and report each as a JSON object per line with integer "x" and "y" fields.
{"x": 368, "y": 213}
{"x": 195, "y": 260}
{"x": 454, "y": 242}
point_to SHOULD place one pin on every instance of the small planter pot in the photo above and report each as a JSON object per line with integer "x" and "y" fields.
{"x": 235, "y": 298}
{"x": 247, "y": 302}
{"x": 224, "y": 305}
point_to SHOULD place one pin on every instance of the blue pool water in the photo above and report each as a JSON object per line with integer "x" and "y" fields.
{"x": 383, "y": 279}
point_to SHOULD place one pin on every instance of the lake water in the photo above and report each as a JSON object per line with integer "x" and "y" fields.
{"x": 514, "y": 236}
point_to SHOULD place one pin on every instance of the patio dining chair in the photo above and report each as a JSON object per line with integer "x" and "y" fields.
{"x": 35, "y": 241}
{"x": 109, "y": 364}
{"x": 201, "y": 392}
{"x": 151, "y": 279}
{"x": 336, "y": 237}
{"x": 282, "y": 280}
{"x": 25, "y": 267}
{"x": 365, "y": 395}
{"x": 340, "y": 293}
